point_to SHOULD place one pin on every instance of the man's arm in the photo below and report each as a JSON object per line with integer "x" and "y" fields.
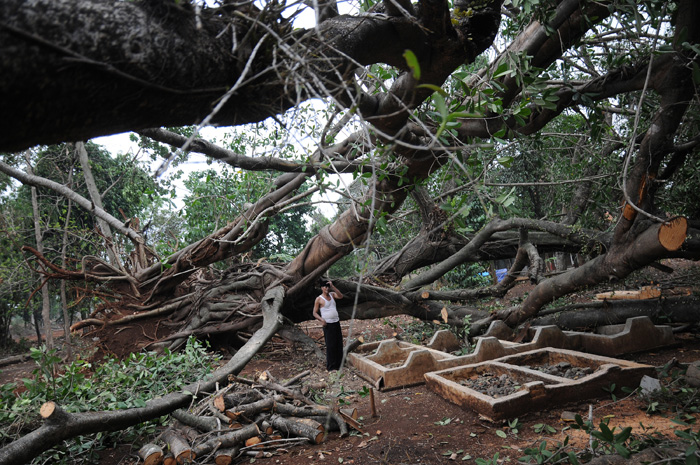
{"x": 317, "y": 306}
{"x": 337, "y": 295}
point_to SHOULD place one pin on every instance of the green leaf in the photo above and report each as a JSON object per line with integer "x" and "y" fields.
{"x": 696, "y": 73}
{"x": 503, "y": 70}
{"x": 573, "y": 459}
{"x": 412, "y": 62}
{"x": 505, "y": 161}
{"x": 622, "y": 450}
{"x": 501, "y": 433}
{"x": 432, "y": 87}
{"x": 440, "y": 105}
{"x": 623, "y": 435}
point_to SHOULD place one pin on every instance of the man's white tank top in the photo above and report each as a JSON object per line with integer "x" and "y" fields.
{"x": 329, "y": 312}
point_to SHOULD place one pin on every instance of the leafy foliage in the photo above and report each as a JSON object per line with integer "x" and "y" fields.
{"x": 219, "y": 196}
{"x": 112, "y": 385}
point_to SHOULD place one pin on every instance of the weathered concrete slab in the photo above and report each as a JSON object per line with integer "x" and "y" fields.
{"x": 536, "y": 390}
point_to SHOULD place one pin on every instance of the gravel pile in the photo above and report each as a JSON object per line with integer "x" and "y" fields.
{"x": 563, "y": 370}
{"x": 490, "y": 384}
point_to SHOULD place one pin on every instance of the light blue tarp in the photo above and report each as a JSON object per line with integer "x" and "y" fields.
{"x": 500, "y": 274}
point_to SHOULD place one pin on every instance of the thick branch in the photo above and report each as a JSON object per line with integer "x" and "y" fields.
{"x": 472, "y": 248}
{"x": 135, "y": 65}
{"x": 656, "y": 242}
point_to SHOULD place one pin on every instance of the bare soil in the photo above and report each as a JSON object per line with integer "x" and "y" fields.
{"x": 415, "y": 425}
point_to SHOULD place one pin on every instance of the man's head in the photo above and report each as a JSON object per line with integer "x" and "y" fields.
{"x": 324, "y": 283}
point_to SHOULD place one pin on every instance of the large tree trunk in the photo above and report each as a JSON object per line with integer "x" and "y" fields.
{"x": 583, "y": 317}
{"x": 135, "y": 65}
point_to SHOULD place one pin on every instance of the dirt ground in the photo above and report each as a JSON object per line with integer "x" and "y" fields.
{"x": 415, "y": 425}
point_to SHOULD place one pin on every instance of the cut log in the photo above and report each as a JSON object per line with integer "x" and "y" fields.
{"x": 354, "y": 345}
{"x": 296, "y": 429}
{"x": 228, "y": 401}
{"x": 225, "y": 456}
{"x": 52, "y": 413}
{"x": 151, "y": 454}
{"x": 250, "y": 410}
{"x": 232, "y": 439}
{"x": 202, "y": 423}
{"x": 178, "y": 446}
{"x": 312, "y": 423}
{"x": 266, "y": 427}
{"x": 329, "y": 423}
{"x": 647, "y": 292}
{"x": 169, "y": 459}
{"x": 253, "y": 441}
{"x": 187, "y": 432}
{"x": 673, "y": 233}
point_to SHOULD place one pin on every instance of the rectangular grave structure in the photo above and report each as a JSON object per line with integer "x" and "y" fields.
{"x": 511, "y": 386}
{"x": 393, "y": 364}
{"x": 636, "y": 335}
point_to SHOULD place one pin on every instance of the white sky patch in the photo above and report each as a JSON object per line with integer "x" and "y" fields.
{"x": 121, "y": 143}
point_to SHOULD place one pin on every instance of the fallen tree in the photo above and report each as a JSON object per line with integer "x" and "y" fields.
{"x": 416, "y": 142}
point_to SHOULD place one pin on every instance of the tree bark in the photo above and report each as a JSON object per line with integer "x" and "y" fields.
{"x": 96, "y": 198}
{"x": 297, "y": 429}
{"x": 595, "y": 314}
{"x": 38, "y": 237}
{"x": 132, "y": 66}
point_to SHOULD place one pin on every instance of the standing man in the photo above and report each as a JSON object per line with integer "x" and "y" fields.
{"x": 328, "y": 316}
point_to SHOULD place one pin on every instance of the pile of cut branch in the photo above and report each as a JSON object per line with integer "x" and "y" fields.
{"x": 258, "y": 418}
